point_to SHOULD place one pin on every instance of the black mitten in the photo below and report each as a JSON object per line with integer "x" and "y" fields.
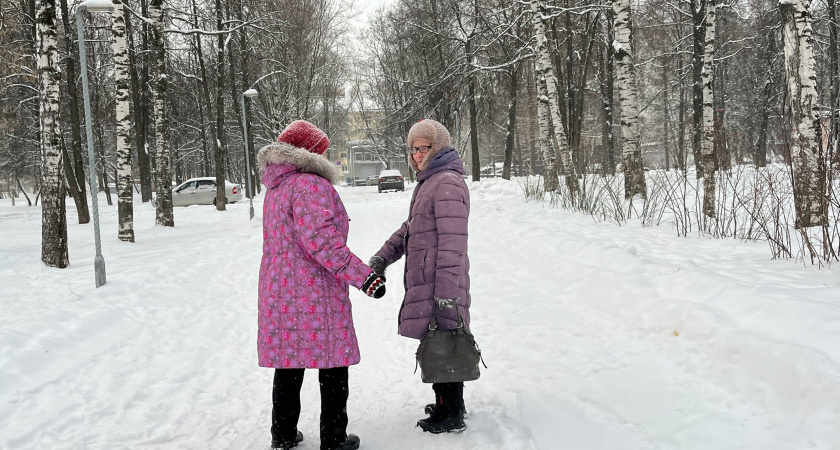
{"x": 378, "y": 264}
{"x": 374, "y": 285}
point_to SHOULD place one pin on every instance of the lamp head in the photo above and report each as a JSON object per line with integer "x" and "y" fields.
{"x": 250, "y": 93}
{"x": 97, "y": 5}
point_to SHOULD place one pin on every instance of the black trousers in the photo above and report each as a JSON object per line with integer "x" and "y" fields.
{"x": 450, "y": 395}
{"x": 286, "y": 405}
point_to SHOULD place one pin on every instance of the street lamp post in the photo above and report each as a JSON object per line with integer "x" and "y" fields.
{"x": 92, "y": 6}
{"x": 249, "y": 186}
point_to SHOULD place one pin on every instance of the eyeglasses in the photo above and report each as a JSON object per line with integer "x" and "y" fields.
{"x": 423, "y": 149}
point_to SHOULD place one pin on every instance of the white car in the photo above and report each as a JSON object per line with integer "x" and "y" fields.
{"x": 202, "y": 191}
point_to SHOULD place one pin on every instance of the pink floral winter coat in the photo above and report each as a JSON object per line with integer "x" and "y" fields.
{"x": 305, "y": 316}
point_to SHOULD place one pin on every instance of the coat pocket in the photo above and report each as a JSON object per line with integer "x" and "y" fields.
{"x": 415, "y": 265}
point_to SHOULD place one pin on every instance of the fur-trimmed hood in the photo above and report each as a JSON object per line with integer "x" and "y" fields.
{"x": 283, "y": 153}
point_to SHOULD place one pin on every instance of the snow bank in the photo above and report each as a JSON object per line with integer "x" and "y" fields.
{"x": 597, "y": 336}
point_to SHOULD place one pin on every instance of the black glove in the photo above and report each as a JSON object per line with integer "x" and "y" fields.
{"x": 378, "y": 264}
{"x": 374, "y": 285}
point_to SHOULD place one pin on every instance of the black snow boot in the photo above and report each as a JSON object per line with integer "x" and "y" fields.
{"x": 286, "y": 445}
{"x": 446, "y": 416}
{"x": 430, "y": 408}
{"x": 352, "y": 443}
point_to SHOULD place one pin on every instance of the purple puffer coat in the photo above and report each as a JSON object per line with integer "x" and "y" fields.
{"x": 305, "y": 316}
{"x": 434, "y": 242}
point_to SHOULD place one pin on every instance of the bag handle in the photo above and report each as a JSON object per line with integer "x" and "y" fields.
{"x": 433, "y": 322}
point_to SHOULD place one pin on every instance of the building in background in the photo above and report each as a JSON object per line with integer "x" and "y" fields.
{"x": 367, "y": 151}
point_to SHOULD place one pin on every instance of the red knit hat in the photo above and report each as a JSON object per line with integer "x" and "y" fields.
{"x": 303, "y": 134}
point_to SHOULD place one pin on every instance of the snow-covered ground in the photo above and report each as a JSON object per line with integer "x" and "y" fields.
{"x": 596, "y": 337}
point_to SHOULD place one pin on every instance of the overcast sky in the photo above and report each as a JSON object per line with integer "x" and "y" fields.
{"x": 372, "y": 5}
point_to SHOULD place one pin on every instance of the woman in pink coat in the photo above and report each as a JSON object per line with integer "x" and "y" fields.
{"x": 305, "y": 318}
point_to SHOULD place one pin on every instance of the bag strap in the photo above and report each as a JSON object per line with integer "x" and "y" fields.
{"x": 433, "y": 322}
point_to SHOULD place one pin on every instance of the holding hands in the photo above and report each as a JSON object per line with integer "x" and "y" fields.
{"x": 374, "y": 285}
{"x": 378, "y": 264}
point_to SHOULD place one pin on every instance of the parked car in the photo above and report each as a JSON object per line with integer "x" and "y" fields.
{"x": 391, "y": 179}
{"x": 202, "y": 191}
{"x": 373, "y": 180}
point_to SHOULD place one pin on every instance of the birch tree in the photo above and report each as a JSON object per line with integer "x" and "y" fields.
{"x": 544, "y": 70}
{"x": 53, "y": 221}
{"x": 625, "y": 76}
{"x": 708, "y": 145}
{"x": 698, "y": 14}
{"x": 122, "y": 80}
{"x": 546, "y": 146}
{"x": 806, "y": 135}
{"x": 163, "y": 177}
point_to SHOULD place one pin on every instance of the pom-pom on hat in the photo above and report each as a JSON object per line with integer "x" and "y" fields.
{"x": 303, "y": 134}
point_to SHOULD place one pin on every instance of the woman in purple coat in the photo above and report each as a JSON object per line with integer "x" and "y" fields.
{"x": 305, "y": 318}
{"x": 434, "y": 242}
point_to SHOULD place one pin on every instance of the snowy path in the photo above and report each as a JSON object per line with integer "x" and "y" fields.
{"x": 577, "y": 322}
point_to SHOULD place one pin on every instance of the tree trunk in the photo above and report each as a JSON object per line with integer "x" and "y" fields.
{"x": 103, "y": 180}
{"x": 163, "y": 178}
{"x": 76, "y": 163}
{"x": 631, "y": 153}
{"x": 698, "y": 13}
{"x": 138, "y": 96}
{"x": 23, "y": 191}
{"x": 146, "y": 98}
{"x": 122, "y": 80}
{"x": 608, "y": 94}
{"x": 236, "y": 103}
{"x": 545, "y": 71}
{"x": 708, "y": 150}
{"x": 760, "y": 155}
{"x": 518, "y": 137}
{"x": 474, "y": 154}
{"x": 806, "y": 136}
{"x": 834, "y": 71}
{"x": 549, "y": 170}
{"x": 681, "y": 153}
{"x": 723, "y": 156}
{"x": 204, "y": 88}
{"x": 70, "y": 175}
{"x": 220, "y": 144}
{"x": 533, "y": 119}
{"x": 572, "y": 131}
{"x": 513, "y": 76}
{"x": 666, "y": 117}
{"x": 54, "y": 220}
{"x": 577, "y": 94}
{"x": 253, "y": 172}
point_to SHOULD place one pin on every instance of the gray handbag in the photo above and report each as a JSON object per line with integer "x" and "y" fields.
{"x": 448, "y": 356}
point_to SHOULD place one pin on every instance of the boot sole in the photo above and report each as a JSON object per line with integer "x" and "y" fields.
{"x": 438, "y": 431}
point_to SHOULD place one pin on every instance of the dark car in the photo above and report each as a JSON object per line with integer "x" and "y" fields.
{"x": 391, "y": 180}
